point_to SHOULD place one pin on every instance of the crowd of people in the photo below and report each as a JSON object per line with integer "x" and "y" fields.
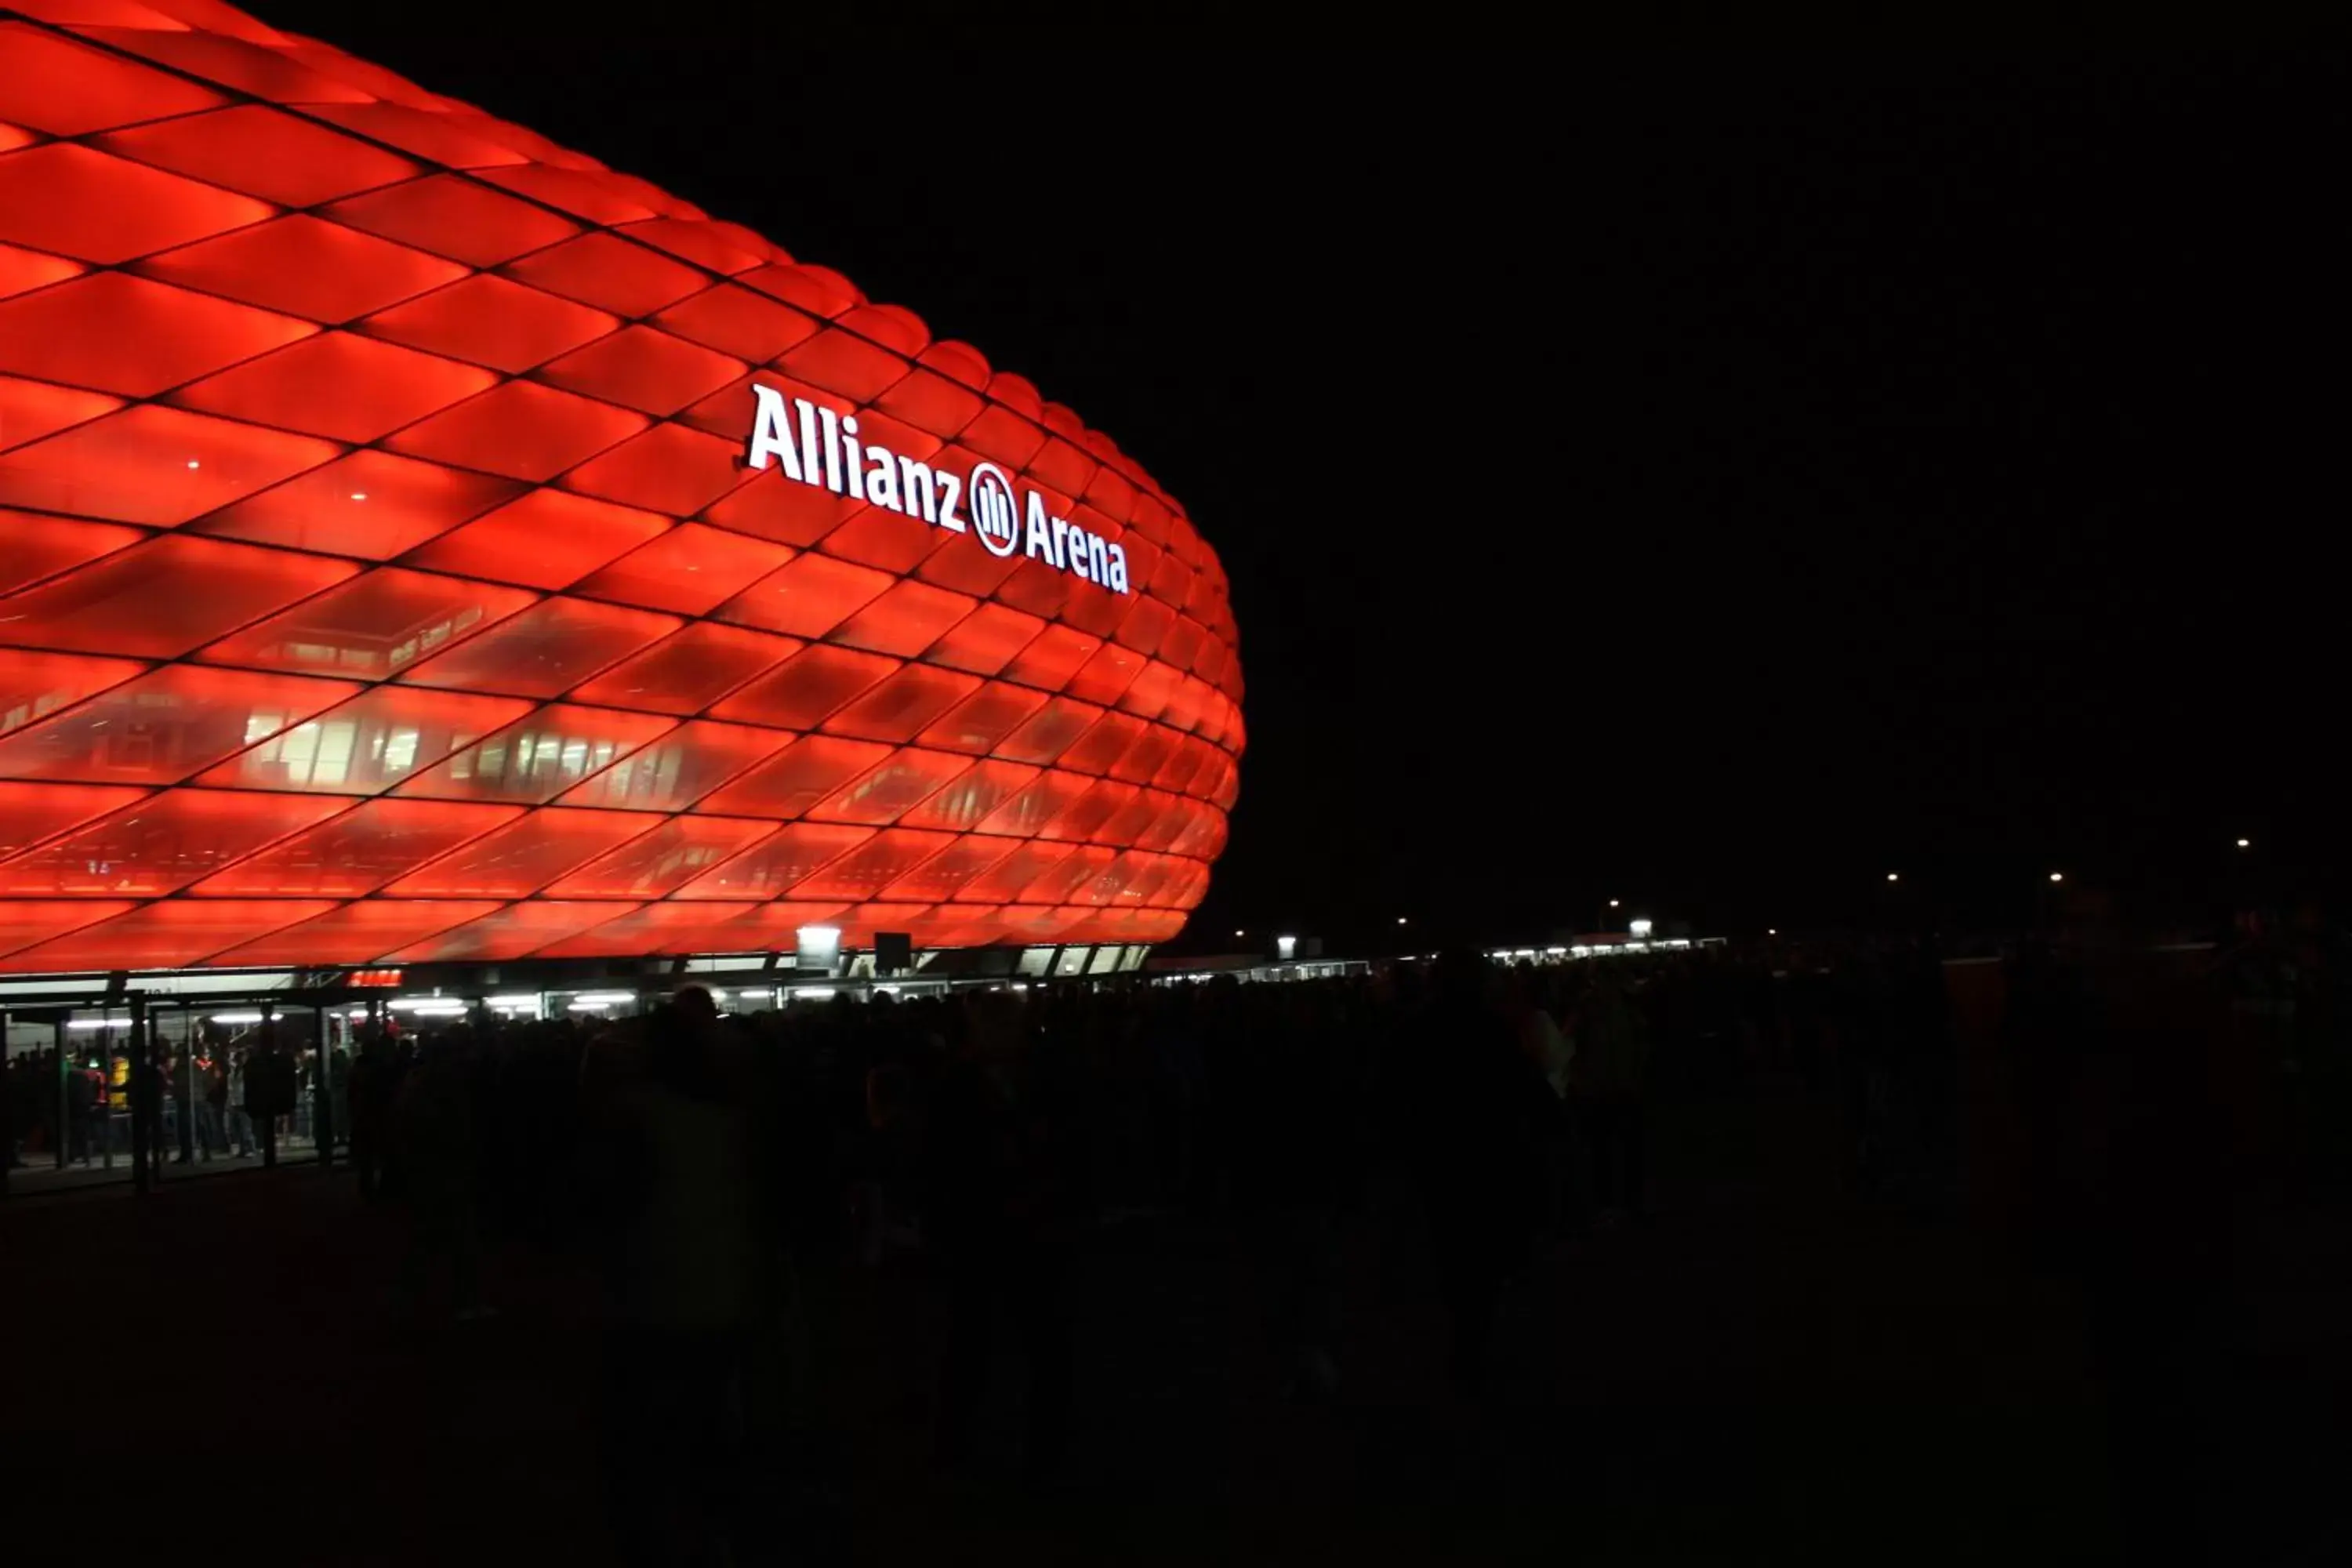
{"x": 216, "y": 1095}
{"x": 719, "y": 1168}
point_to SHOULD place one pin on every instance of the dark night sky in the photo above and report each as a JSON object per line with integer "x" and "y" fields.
{"x": 1708, "y": 481}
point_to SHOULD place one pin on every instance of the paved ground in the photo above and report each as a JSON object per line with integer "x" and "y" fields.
{"x": 1765, "y": 1374}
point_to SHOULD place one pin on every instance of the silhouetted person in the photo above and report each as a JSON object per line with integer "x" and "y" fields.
{"x": 373, "y": 1085}
{"x": 86, "y": 1107}
{"x": 684, "y": 1273}
{"x": 268, "y": 1091}
{"x": 994, "y": 1208}
{"x": 433, "y": 1124}
{"x": 1483, "y": 1119}
{"x": 1611, "y": 1079}
{"x": 1295, "y": 1158}
{"x": 338, "y": 1094}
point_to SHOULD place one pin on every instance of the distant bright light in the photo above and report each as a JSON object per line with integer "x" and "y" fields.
{"x": 605, "y": 999}
{"x": 1638, "y": 928}
{"x": 2245, "y": 843}
{"x": 1286, "y": 946}
{"x": 193, "y": 464}
{"x": 236, "y": 1017}
{"x": 2057, "y": 876}
{"x": 1893, "y": 877}
{"x": 359, "y": 495}
{"x": 1771, "y": 930}
{"x": 1241, "y": 933}
{"x": 1400, "y": 920}
{"x": 1612, "y": 903}
{"x": 99, "y": 1023}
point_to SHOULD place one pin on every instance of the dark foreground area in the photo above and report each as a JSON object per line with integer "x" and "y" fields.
{"x": 1766, "y": 1369}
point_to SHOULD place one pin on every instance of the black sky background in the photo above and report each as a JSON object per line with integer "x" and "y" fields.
{"x": 1708, "y": 481}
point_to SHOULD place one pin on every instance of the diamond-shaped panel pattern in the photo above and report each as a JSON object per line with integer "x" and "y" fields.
{"x": 381, "y": 577}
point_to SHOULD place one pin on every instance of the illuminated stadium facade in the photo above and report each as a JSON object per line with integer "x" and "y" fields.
{"x": 421, "y": 546}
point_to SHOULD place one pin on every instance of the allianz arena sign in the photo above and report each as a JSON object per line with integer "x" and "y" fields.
{"x": 817, "y": 446}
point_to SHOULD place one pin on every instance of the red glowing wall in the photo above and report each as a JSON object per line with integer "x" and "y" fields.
{"x": 380, "y": 578}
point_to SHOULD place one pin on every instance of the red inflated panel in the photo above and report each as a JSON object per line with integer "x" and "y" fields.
{"x": 372, "y": 626}
{"x": 796, "y": 778}
{"x": 32, "y": 409}
{"x": 524, "y": 855}
{"x": 339, "y": 385}
{"x": 24, "y": 922}
{"x": 546, "y": 651}
{"x": 522, "y": 430}
{"x": 304, "y": 266}
{"x": 669, "y": 469}
{"x": 788, "y": 856}
{"x": 680, "y": 768}
{"x": 546, "y": 539}
{"x": 985, "y": 641}
{"x": 379, "y": 525}
{"x": 982, "y": 720}
{"x": 860, "y": 925}
{"x": 1039, "y": 804}
{"x": 1015, "y": 872}
{"x": 359, "y": 851}
{"x": 369, "y": 504}
{"x": 162, "y": 726}
{"x": 160, "y": 845}
{"x": 658, "y": 863}
{"x": 154, "y": 465}
{"x": 56, "y": 84}
{"x": 512, "y": 932}
{"x": 865, "y": 870}
{"x": 35, "y": 685}
{"x": 798, "y": 693}
{"x": 964, "y": 803}
{"x": 492, "y": 321}
{"x": 113, "y": 332}
{"x": 30, "y": 813}
{"x": 1052, "y": 657}
{"x": 451, "y": 215}
{"x": 1063, "y": 883}
{"x": 690, "y": 570}
{"x": 941, "y": 876}
{"x": 264, "y": 153}
{"x": 689, "y": 671}
{"x": 889, "y": 791}
{"x": 904, "y": 703}
{"x": 368, "y": 743}
{"x": 170, "y": 934}
{"x": 1054, "y": 728}
{"x": 23, "y": 270}
{"x": 610, "y": 273}
{"x": 640, "y": 368}
{"x": 540, "y": 757}
{"x": 659, "y": 929}
{"x": 806, "y": 597}
{"x": 358, "y": 934}
{"x": 42, "y": 547}
{"x": 905, "y": 620}
{"x": 76, "y": 201}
